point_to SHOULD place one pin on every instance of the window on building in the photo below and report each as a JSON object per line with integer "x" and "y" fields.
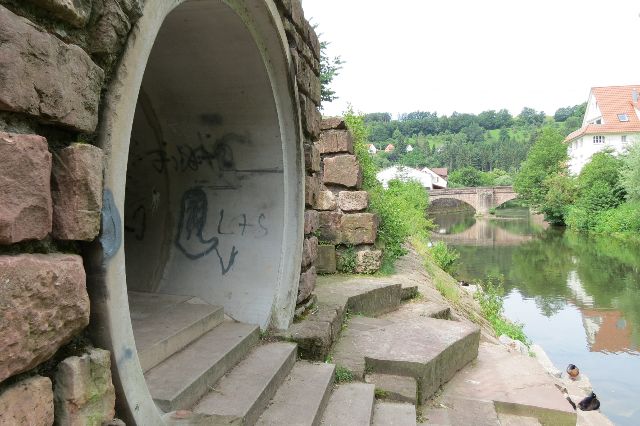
{"x": 623, "y": 117}
{"x": 623, "y": 138}
{"x": 598, "y": 139}
{"x": 599, "y": 121}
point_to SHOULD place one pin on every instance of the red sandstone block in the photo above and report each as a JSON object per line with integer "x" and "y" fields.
{"x": 27, "y": 402}
{"x": 351, "y": 201}
{"x": 307, "y": 284}
{"x": 336, "y": 141}
{"x": 359, "y": 228}
{"x": 343, "y": 170}
{"x": 25, "y": 192}
{"x": 77, "y": 194}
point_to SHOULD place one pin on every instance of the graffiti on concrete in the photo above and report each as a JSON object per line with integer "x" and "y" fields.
{"x": 111, "y": 233}
{"x": 192, "y": 224}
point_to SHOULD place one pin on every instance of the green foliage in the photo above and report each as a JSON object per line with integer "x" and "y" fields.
{"x": 547, "y": 157}
{"x": 491, "y": 303}
{"x": 444, "y": 256}
{"x": 444, "y": 282}
{"x": 630, "y": 172}
{"x": 401, "y": 208}
{"x": 560, "y": 193}
{"x": 466, "y": 176}
{"x": 531, "y": 117}
{"x": 343, "y": 374}
{"x": 346, "y": 261}
{"x": 623, "y": 219}
{"x": 329, "y": 68}
{"x": 576, "y": 111}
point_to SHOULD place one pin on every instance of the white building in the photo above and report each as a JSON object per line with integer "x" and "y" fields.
{"x": 372, "y": 149}
{"x": 425, "y": 177}
{"x": 611, "y": 120}
{"x": 409, "y": 148}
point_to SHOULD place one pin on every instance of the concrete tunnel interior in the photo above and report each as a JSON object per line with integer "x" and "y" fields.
{"x": 205, "y": 200}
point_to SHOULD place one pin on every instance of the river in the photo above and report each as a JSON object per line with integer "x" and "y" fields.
{"x": 578, "y": 296}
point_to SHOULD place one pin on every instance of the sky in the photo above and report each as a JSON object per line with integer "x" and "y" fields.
{"x": 475, "y": 55}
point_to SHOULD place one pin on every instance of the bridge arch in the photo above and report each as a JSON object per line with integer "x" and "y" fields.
{"x": 482, "y": 199}
{"x": 204, "y": 177}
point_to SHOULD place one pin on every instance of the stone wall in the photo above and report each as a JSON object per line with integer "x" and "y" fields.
{"x": 347, "y": 232}
{"x": 56, "y": 58}
{"x": 305, "y": 50}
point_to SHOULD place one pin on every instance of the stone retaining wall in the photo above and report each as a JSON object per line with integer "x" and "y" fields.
{"x": 57, "y": 58}
{"x": 347, "y": 232}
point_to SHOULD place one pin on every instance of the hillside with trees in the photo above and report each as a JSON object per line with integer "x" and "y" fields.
{"x": 483, "y": 149}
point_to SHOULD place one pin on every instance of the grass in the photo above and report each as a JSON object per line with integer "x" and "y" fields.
{"x": 491, "y": 304}
{"x": 343, "y": 374}
{"x": 444, "y": 282}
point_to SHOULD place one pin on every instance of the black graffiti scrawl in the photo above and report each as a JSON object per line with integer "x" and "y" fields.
{"x": 191, "y": 225}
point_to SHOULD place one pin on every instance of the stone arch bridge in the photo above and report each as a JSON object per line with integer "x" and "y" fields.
{"x": 482, "y": 199}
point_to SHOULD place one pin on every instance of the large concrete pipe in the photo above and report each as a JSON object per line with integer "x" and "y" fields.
{"x": 204, "y": 174}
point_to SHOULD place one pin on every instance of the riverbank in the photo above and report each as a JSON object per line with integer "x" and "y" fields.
{"x": 498, "y": 374}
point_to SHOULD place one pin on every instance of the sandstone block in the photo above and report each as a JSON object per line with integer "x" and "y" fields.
{"x": 297, "y": 14}
{"x": 311, "y": 157}
{"x": 330, "y": 227}
{"x": 308, "y": 81}
{"x": 77, "y": 192}
{"x": 326, "y": 201}
{"x": 351, "y": 201}
{"x": 28, "y": 402}
{"x": 75, "y": 12}
{"x": 84, "y": 392}
{"x": 359, "y": 228}
{"x": 110, "y": 24}
{"x": 326, "y": 261}
{"x": 25, "y": 189}
{"x": 44, "y": 77}
{"x": 311, "y": 221}
{"x": 44, "y": 303}
{"x": 336, "y": 141}
{"x": 307, "y": 283}
{"x": 343, "y": 170}
{"x": 368, "y": 261}
{"x": 333, "y": 123}
{"x": 311, "y": 190}
{"x": 310, "y": 117}
{"x": 309, "y": 251}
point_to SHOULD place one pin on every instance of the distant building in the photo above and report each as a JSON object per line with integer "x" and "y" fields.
{"x": 389, "y": 148}
{"x": 427, "y": 179}
{"x": 409, "y": 148}
{"x": 443, "y": 172}
{"x": 372, "y": 149}
{"x": 611, "y": 120}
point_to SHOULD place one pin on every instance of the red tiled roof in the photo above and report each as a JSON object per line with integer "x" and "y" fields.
{"x": 441, "y": 171}
{"x": 612, "y": 100}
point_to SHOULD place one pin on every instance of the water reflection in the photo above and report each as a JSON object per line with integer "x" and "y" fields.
{"x": 558, "y": 284}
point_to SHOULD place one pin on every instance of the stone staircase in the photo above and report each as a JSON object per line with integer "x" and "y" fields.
{"x": 204, "y": 369}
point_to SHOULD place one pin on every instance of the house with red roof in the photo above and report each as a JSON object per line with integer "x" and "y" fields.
{"x": 611, "y": 121}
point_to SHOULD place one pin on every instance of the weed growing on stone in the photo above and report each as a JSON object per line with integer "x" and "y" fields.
{"x": 380, "y": 393}
{"x": 343, "y": 374}
{"x": 491, "y": 304}
{"x": 346, "y": 260}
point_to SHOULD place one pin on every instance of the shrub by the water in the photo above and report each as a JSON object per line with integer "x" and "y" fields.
{"x": 444, "y": 256}
{"x": 401, "y": 208}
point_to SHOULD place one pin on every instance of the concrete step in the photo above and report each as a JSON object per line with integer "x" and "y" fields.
{"x": 409, "y": 292}
{"x": 181, "y": 380}
{"x": 461, "y": 411}
{"x": 394, "y": 414}
{"x": 361, "y": 296}
{"x": 429, "y": 350}
{"x": 350, "y": 405}
{"x": 164, "y": 324}
{"x": 394, "y": 388}
{"x": 240, "y": 396}
{"x": 419, "y": 309}
{"x": 302, "y": 398}
{"x": 520, "y": 387}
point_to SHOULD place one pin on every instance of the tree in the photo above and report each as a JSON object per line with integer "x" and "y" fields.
{"x": 329, "y": 68}
{"x": 546, "y": 158}
{"x": 560, "y": 194}
{"x": 465, "y": 177}
{"x": 630, "y": 173}
{"x": 531, "y": 116}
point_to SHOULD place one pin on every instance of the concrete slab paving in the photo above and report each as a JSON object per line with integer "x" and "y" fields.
{"x": 393, "y": 388}
{"x": 519, "y": 387}
{"x": 394, "y": 414}
{"x": 302, "y": 398}
{"x": 241, "y": 395}
{"x": 430, "y": 350}
{"x": 164, "y": 324}
{"x": 417, "y": 308}
{"x": 350, "y": 404}
{"x": 178, "y": 382}
{"x": 461, "y": 411}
